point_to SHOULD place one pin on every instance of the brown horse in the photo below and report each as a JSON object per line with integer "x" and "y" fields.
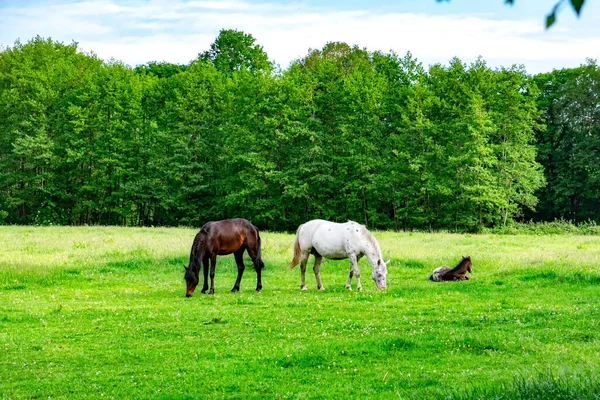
{"x": 458, "y": 273}
{"x": 220, "y": 238}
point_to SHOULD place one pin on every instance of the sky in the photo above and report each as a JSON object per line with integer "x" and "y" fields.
{"x": 137, "y": 32}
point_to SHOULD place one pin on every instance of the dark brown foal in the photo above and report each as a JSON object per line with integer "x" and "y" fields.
{"x": 458, "y": 273}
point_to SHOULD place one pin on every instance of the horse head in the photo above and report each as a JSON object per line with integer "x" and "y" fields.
{"x": 380, "y": 273}
{"x": 467, "y": 260}
{"x": 191, "y": 280}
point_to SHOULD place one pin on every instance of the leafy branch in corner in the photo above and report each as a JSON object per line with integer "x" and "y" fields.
{"x": 551, "y": 18}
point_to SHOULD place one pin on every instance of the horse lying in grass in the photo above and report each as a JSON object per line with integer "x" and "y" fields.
{"x": 337, "y": 242}
{"x": 220, "y": 238}
{"x": 457, "y": 273}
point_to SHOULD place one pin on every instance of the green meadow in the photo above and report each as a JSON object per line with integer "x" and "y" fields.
{"x": 100, "y": 312}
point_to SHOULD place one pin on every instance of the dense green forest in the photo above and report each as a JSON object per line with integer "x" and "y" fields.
{"x": 342, "y": 133}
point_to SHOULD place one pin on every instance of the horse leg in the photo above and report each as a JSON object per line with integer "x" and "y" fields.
{"x": 252, "y": 249}
{"x": 303, "y": 262}
{"x": 349, "y": 281}
{"x": 205, "y": 272}
{"x": 239, "y": 260}
{"x": 354, "y": 271}
{"x": 213, "y": 264}
{"x": 317, "y": 269}
{"x": 258, "y": 280}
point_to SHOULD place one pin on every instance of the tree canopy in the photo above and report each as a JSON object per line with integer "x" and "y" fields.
{"x": 343, "y": 133}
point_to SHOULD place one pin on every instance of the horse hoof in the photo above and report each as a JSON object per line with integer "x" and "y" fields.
{"x": 303, "y": 288}
{"x": 321, "y": 288}
{"x": 359, "y": 289}
{"x": 257, "y": 291}
{"x": 348, "y": 288}
{"x": 234, "y": 290}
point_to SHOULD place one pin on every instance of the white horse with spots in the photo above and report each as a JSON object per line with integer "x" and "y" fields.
{"x": 337, "y": 242}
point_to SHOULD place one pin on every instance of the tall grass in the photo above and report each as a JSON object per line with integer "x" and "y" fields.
{"x": 542, "y": 386}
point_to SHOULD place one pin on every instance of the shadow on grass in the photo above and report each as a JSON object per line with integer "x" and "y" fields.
{"x": 32, "y": 275}
{"x": 478, "y": 345}
{"x": 302, "y": 360}
{"x": 572, "y": 277}
{"x": 407, "y": 263}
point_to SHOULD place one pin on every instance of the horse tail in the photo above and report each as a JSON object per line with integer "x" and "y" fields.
{"x": 258, "y": 262}
{"x": 296, "y": 258}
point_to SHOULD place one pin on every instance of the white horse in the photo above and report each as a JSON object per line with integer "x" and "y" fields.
{"x": 337, "y": 242}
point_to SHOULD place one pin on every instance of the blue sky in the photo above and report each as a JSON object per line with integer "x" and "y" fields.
{"x": 136, "y": 32}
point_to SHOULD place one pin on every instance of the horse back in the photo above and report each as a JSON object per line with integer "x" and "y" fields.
{"x": 227, "y": 236}
{"x": 332, "y": 240}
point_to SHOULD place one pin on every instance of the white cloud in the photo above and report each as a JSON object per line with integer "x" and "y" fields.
{"x": 177, "y": 31}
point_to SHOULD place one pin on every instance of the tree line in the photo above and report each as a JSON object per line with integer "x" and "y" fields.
{"x": 342, "y": 133}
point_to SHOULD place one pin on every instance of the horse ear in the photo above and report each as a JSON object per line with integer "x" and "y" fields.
{"x": 185, "y": 268}
{"x": 387, "y": 262}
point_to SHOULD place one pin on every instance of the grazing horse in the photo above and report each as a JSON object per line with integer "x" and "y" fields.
{"x": 220, "y": 238}
{"x": 457, "y": 273}
{"x": 337, "y": 242}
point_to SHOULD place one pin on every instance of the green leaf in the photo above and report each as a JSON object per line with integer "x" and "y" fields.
{"x": 550, "y": 20}
{"x": 577, "y": 4}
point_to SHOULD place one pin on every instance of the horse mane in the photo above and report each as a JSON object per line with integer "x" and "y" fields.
{"x": 370, "y": 237}
{"x": 198, "y": 247}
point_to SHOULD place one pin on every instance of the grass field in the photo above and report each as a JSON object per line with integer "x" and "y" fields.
{"x": 95, "y": 312}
